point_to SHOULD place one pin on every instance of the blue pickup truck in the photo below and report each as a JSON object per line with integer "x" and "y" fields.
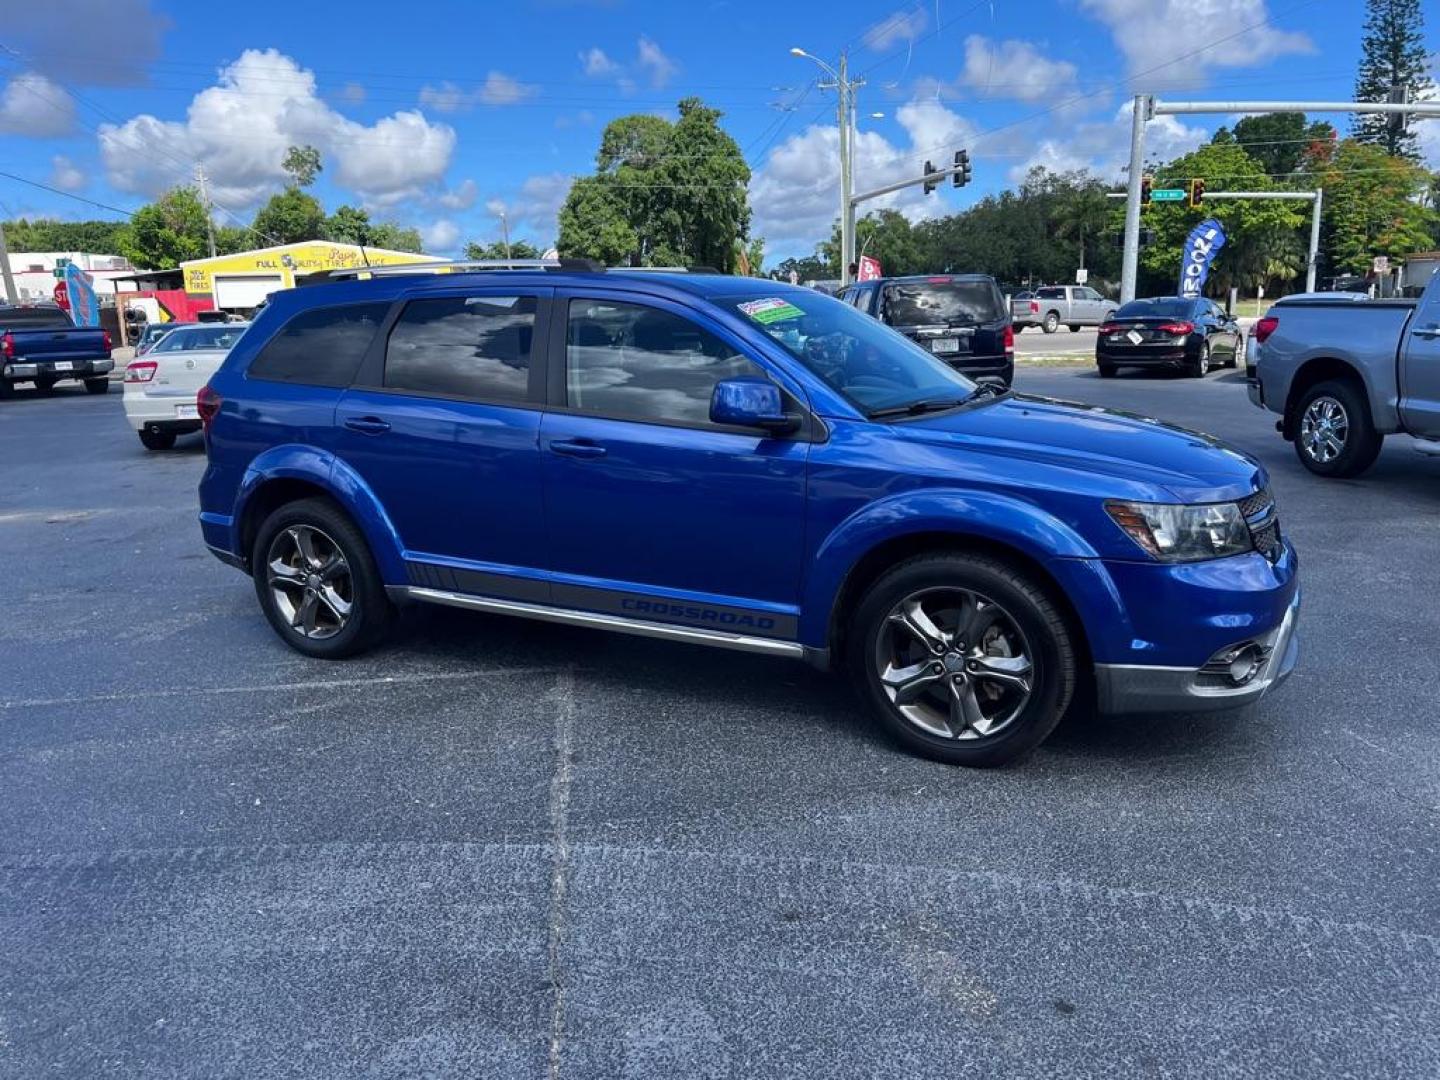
{"x": 40, "y": 344}
{"x": 743, "y": 464}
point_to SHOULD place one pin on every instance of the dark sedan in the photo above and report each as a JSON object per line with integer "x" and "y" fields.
{"x": 1170, "y": 332}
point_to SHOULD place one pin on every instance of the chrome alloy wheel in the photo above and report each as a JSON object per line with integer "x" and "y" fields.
{"x": 1324, "y": 429}
{"x": 310, "y": 581}
{"x": 954, "y": 663}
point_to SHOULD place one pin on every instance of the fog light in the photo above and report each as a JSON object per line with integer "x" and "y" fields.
{"x": 1246, "y": 664}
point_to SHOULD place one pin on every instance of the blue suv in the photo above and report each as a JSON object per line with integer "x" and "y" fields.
{"x": 734, "y": 462}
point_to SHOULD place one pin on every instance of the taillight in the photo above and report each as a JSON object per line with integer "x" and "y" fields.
{"x": 1110, "y": 328}
{"x": 1176, "y": 328}
{"x": 7, "y": 346}
{"x": 105, "y": 336}
{"x": 1034, "y": 307}
{"x": 1009, "y": 339}
{"x": 140, "y": 370}
{"x": 1265, "y": 327}
{"x": 207, "y": 404}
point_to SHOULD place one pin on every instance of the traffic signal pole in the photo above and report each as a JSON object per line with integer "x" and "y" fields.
{"x": 11, "y": 296}
{"x": 1147, "y": 107}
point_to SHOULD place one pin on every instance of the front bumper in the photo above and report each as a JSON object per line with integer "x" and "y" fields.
{"x": 1142, "y": 688}
{"x": 47, "y": 369}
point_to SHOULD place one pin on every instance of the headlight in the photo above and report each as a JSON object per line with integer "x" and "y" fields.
{"x": 1174, "y": 533}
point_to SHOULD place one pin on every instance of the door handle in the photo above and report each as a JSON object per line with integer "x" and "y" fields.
{"x": 1429, "y": 333}
{"x": 367, "y": 425}
{"x": 582, "y": 448}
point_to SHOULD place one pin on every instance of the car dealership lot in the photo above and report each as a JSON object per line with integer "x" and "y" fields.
{"x": 511, "y": 849}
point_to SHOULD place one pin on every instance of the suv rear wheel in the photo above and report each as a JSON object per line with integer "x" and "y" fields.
{"x": 962, "y": 658}
{"x": 317, "y": 582}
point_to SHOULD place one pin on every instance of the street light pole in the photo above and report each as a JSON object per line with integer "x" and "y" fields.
{"x": 845, "y": 119}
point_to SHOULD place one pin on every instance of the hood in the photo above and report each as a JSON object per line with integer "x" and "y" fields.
{"x": 1187, "y": 466}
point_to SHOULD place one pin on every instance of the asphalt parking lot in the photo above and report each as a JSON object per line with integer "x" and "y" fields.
{"x": 503, "y": 849}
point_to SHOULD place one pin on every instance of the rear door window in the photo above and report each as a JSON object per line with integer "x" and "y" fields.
{"x": 471, "y": 347}
{"x": 1051, "y": 294}
{"x": 320, "y": 347}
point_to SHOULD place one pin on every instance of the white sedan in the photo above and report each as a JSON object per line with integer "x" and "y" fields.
{"x": 160, "y": 387}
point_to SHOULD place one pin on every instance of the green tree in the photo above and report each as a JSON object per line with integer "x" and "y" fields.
{"x": 662, "y": 193}
{"x": 291, "y": 216}
{"x": 48, "y": 234}
{"x": 387, "y": 234}
{"x": 1081, "y": 215}
{"x": 1392, "y": 54}
{"x": 1373, "y": 206}
{"x": 519, "y": 249}
{"x": 1254, "y": 229}
{"x": 1280, "y": 142}
{"x": 303, "y": 165}
{"x": 167, "y": 231}
{"x": 349, "y": 225}
{"x": 809, "y": 268}
{"x": 753, "y": 262}
{"x": 885, "y": 235}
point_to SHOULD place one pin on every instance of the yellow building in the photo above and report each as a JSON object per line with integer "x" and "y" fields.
{"x": 241, "y": 281}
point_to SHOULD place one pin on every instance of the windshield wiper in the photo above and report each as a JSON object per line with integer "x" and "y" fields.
{"x": 915, "y": 408}
{"x": 988, "y": 389}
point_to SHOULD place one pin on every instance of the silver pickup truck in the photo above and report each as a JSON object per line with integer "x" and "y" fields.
{"x": 1344, "y": 371}
{"x": 1053, "y": 306}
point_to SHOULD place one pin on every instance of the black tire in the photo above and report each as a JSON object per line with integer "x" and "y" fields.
{"x": 97, "y": 386}
{"x": 7, "y": 389}
{"x": 1107, "y": 371}
{"x": 370, "y": 612}
{"x": 156, "y": 439}
{"x": 1074, "y": 328}
{"x": 1023, "y": 603}
{"x": 1200, "y": 366}
{"x": 1238, "y": 353}
{"x": 45, "y": 386}
{"x": 1051, "y": 322}
{"x": 1360, "y": 443}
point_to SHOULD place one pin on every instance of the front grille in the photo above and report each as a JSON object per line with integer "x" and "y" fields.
{"x": 1260, "y": 515}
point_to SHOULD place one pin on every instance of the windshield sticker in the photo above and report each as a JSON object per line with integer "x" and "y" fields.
{"x": 772, "y": 310}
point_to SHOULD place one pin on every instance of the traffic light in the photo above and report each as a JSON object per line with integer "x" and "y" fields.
{"x": 1147, "y": 237}
{"x": 1197, "y": 191}
{"x": 930, "y": 185}
{"x": 1145, "y": 182}
{"x": 962, "y": 173}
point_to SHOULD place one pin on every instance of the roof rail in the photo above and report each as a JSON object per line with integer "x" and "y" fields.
{"x": 449, "y": 266}
{"x": 669, "y": 269}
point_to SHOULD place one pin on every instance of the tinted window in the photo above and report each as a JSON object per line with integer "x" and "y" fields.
{"x": 1166, "y": 307}
{"x": 35, "y": 319}
{"x": 942, "y": 303}
{"x": 322, "y": 347}
{"x": 1051, "y": 294}
{"x": 193, "y": 338}
{"x": 463, "y": 346}
{"x": 641, "y": 363}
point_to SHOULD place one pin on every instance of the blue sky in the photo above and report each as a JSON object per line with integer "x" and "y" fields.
{"x": 440, "y": 115}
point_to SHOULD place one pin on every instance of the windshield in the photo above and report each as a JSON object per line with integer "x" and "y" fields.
{"x": 188, "y": 339}
{"x": 1164, "y": 307}
{"x": 942, "y": 302}
{"x": 873, "y": 366}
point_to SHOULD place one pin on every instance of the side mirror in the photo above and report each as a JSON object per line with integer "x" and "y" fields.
{"x": 751, "y": 402}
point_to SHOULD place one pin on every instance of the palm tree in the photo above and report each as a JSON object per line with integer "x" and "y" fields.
{"x": 1082, "y": 212}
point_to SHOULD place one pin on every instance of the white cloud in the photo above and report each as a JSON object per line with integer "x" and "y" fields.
{"x": 240, "y": 128}
{"x": 460, "y": 198}
{"x": 1103, "y": 147}
{"x": 1014, "y": 69}
{"x": 497, "y": 89}
{"x": 33, "y": 105}
{"x": 65, "y": 175}
{"x": 652, "y": 60}
{"x": 440, "y": 236}
{"x": 903, "y": 26}
{"x": 795, "y": 192}
{"x": 535, "y": 207}
{"x": 1172, "y": 43}
{"x": 596, "y": 64}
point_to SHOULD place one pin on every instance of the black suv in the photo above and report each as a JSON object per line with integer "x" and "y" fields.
{"x": 961, "y": 318}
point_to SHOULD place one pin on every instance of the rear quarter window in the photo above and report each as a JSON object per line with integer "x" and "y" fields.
{"x": 1051, "y": 294}
{"x": 320, "y": 347}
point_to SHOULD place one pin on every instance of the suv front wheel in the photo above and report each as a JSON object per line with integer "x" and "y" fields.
{"x": 317, "y": 582}
{"x": 962, "y": 658}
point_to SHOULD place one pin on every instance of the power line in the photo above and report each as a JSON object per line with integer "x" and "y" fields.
{"x": 67, "y": 194}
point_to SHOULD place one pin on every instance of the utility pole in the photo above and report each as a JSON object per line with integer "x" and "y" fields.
{"x": 11, "y": 296}
{"x": 205, "y": 202}
{"x": 845, "y": 119}
{"x": 1131, "y": 257}
{"x": 505, "y": 230}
